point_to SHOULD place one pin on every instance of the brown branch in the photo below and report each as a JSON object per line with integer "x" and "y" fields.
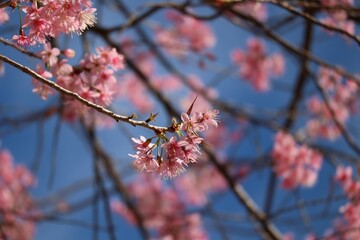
{"x": 268, "y": 229}
{"x": 107, "y": 163}
{"x": 64, "y": 91}
{"x": 20, "y": 49}
{"x": 307, "y": 16}
{"x": 291, "y": 48}
{"x": 347, "y": 136}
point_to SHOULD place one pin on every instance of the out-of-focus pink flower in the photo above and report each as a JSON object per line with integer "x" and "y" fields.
{"x": 350, "y": 210}
{"x": 342, "y": 97}
{"x": 296, "y": 165}
{"x": 43, "y": 90}
{"x": 161, "y": 210}
{"x": 16, "y": 205}
{"x": 50, "y": 55}
{"x": 196, "y": 184}
{"x": 131, "y": 88}
{"x": 3, "y": 16}
{"x": 338, "y": 18}
{"x": 256, "y": 66}
{"x": 182, "y": 38}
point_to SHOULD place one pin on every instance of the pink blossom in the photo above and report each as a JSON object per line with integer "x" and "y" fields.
{"x": 3, "y": 16}
{"x": 112, "y": 57}
{"x": 207, "y": 118}
{"x": 144, "y": 159}
{"x": 93, "y": 79}
{"x": 50, "y": 55}
{"x": 15, "y": 202}
{"x": 343, "y": 174}
{"x": 43, "y": 90}
{"x": 181, "y": 38}
{"x": 296, "y": 165}
{"x": 177, "y": 152}
{"x": 351, "y": 210}
{"x": 161, "y": 210}
{"x": 338, "y": 17}
{"x": 190, "y": 123}
{"x": 55, "y": 17}
{"x": 22, "y": 39}
{"x": 341, "y": 98}
{"x": 199, "y": 121}
{"x": 256, "y": 66}
{"x": 171, "y": 168}
{"x": 166, "y": 83}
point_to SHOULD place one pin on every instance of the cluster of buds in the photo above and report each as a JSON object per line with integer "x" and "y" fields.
{"x": 175, "y": 153}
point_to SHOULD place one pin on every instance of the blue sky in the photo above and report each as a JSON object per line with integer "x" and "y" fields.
{"x": 73, "y": 158}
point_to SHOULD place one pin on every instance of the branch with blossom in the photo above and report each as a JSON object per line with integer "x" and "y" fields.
{"x": 281, "y": 160}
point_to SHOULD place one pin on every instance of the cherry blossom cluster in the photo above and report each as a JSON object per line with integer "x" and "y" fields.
{"x": 161, "y": 210}
{"x": 256, "y": 66}
{"x": 342, "y": 99}
{"x": 49, "y": 18}
{"x": 93, "y": 79}
{"x": 348, "y": 226}
{"x": 186, "y": 34}
{"x": 338, "y": 17}
{"x": 16, "y": 204}
{"x": 296, "y": 165}
{"x": 174, "y": 153}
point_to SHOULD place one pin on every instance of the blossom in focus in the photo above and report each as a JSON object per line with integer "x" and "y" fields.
{"x": 177, "y": 152}
{"x": 54, "y": 17}
{"x": 144, "y": 158}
